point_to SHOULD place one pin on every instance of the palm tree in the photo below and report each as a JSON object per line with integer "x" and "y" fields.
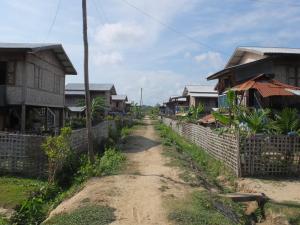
{"x": 256, "y": 121}
{"x": 287, "y": 121}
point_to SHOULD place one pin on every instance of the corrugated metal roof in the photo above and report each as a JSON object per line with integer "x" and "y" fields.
{"x": 93, "y": 87}
{"x": 262, "y": 51}
{"x": 119, "y": 97}
{"x": 267, "y": 87}
{"x": 207, "y": 95}
{"x": 57, "y": 49}
{"x": 74, "y": 92}
{"x": 193, "y": 89}
{"x": 271, "y": 50}
{"x": 76, "y": 108}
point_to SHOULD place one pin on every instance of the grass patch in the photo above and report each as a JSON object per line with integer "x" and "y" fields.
{"x": 199, "y": 208}
{"x": 187, "y": 155}
{"x": 92, "y": 215}
{"x": 290, "y": 210}
{"x": 3, "y": 221}
{"x": 15, "y": 190}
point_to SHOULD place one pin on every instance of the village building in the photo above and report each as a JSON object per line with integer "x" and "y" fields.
{"x": 32, "y": 85}
{"x": 262, "y": 77}
{"x": 175, "y": 105}
{"x": 201, "y": 94}
{"x": 75, "y": 94}
{"x": 118, "y": 103}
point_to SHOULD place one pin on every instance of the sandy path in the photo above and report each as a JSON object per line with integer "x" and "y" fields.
{"x": 137, "y": 194}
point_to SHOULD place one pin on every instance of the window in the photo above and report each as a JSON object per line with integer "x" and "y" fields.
{"x": 3, "y": 73}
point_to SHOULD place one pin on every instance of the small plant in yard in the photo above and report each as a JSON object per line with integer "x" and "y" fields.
{"x": 57, "y": 149}
{"x": 87, "y": 215}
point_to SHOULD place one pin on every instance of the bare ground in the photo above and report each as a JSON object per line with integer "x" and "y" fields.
{"x": 138, "y": 193}
{"x": 276, "y": 190}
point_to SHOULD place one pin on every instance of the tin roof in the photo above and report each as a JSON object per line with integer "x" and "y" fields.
{"x": 76, "y": 108}
{"x": 261, "y": 51}
{"x": 268, "y": 87}
{"x": 74, "y": 92}
{"x": 57, "y": 49}
{"x": 200, "y": 91}
{"x": 119, "y": 98}
{"x": 93, "y": 87}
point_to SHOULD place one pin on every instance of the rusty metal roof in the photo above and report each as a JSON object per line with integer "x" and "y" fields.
{"x": 267, "y": 87}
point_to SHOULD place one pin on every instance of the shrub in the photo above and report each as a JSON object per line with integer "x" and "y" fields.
{"x": 33, "y": 211}
{"x": 57, "y": 149}
{"x": 108, "y": 164}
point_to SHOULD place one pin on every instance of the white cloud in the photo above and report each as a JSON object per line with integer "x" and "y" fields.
{"x": 210, "y": 59}
{"x": 111, "y": 58}
{"x": 123, "y": 34}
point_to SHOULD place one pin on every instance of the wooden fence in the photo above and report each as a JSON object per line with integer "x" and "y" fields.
{"x": 260, "y": 155}
{"x": 22, "y": 153}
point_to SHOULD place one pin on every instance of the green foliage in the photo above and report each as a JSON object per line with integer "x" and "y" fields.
{"x": 76, "y": 123}
{"x": 14, "y": 190}
{"x": 200, "y": 208}
{"x": 136, "y": 111}
{"x": 256, "y": 121}
{"x": 109, "y": 163}
{"x": 211, "y": 167}
{"x": 3, "y": 221}
{"x": 57, "y": 149}
{"x": 286, "y": 121}
{"x": 32, "y": 211}
{"x": 91, "y": 215}
{"x": 98, "y": 107}
{"x": 195, "y": 113}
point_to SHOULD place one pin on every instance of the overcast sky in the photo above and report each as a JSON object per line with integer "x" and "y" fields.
{"x": 161, "y": 47}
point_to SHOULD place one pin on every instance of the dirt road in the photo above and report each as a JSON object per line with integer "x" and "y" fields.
{"x": 137, "y": 194}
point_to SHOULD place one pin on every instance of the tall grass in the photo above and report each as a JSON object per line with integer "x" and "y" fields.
{"x": 209, "y": 166}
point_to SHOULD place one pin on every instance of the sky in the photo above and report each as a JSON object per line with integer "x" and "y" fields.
{"x": 157, "y": 45}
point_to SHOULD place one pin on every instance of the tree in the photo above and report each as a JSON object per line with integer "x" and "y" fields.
{"x": 98, "y": 106}
{"x": 86, "y": 84}
{"x": 57, "y": 149}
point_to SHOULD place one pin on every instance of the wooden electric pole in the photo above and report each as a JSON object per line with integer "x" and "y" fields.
{"x": 86, "y": 84}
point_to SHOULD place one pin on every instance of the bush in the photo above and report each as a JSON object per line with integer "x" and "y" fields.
{"x": 108, "y": 164}
{"x": 57, "y": 149}
{"x": 33, "y": 211}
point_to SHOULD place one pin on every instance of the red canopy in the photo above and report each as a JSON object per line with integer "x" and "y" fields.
{"x": 268, "y": 87}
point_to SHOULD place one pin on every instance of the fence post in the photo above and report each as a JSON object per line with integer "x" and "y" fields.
{"x": 239, "y": 169}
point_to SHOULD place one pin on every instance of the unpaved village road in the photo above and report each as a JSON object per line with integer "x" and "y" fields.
{"x": 137, "y": 193}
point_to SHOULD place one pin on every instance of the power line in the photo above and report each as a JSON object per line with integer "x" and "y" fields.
{"x": 54, "y": 18}
{"x": 170, "y": 27}
{"x": 100, "y": 12}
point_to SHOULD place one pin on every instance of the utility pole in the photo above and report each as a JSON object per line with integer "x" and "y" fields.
{"x": 86, "y": 84}
{"x": 141, "y": 98}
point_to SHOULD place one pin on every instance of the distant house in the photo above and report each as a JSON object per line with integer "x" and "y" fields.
{"x": 32, "y": 85}
{"x": 201, "y": 94}
{"x": 176, "y": 104}
{"x": 118, "y": 103}
{"x": 73, "y": 112}
{"x": 75, "y": 94}
{"x": 279, "y": 67}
